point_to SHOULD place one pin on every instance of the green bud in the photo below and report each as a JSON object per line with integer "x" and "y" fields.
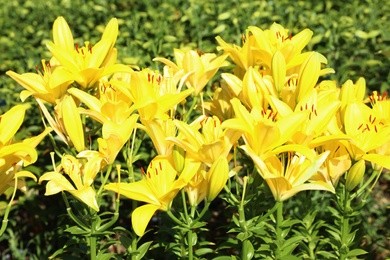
{"x": 355, "y": 174}
{"x": 178, "y": 158}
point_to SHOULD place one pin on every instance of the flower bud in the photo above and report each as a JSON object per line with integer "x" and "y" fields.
{"x": 178, "y": 158}
{"x": 355, "y": 175}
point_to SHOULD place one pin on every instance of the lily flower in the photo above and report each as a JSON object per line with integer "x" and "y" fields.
{"x": 199, "y": 67}
{"x": 368, "y": 131}
{"x": 159, "y": 130}
{"x": 207, "y": 183}
{"x": 15, "y": 155}
{"x": 220, "y": 105}
{"x": 290, "y": 173}
{"x": 159, "y": 187}
{"x": 49, "y": 85}
{"x": 89, "y": 63}
{"x": 208, "y": 144}
{"x": 153, "y": 95}
{"x": 80, "y": 177}
{"x": 263, "y": 131}
{"x": 260, "y": 46}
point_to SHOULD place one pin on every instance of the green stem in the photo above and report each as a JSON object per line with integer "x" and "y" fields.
{"x": 108, "y": 172}
{"x": 374, "y": 175}
{"x": 242, "y": 221}
{"x": 73, "y": 216}
{"x": 279, "y": 230}
{"x": 344, "y": 246}
{"x": 134, "y": 249}
{"x": 5, "y": 220}
{"x": 92, "y": 240}
{"x": 188, "y": 113}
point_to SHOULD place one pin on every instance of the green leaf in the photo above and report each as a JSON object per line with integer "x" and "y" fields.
{"x": 203, "y": 251}
{"x": 105, "y": 256}
{"x": 143, "y": 249}
{"x": 356, "y": 252}
{"x": 248, "y": 247}
{"x": 75, "y": 230}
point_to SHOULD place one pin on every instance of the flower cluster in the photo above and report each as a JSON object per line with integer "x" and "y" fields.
{"x": 301, "y": 133}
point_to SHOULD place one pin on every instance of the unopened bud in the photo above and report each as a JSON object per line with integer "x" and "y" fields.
{"x": 355, "y": 174}
{"x": 178, "y": 158}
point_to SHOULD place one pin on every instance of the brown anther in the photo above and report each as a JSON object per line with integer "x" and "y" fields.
{"x": 90, "y": 48}
{"x": 243, "y": 38}
{"x": 153, "y": 78}
{"x": 360, "y": 127}
{"x": 200, "y": 53}
{"x": 149, "y": 175}
{"x": 82, "y": 51}
{"x": 156, "y": 171}
{"x": 376, "y": 130}
{"x": 315, "y": 112}
{"x": 77, "y": 47}
{"x": 274, "y": 117}
{"x": 338, "y": 147}
{"x": 270, "y": 114}
{"x": 143, "y": 170}
{"x": 368, "y": 128}
{"x": 160, "y": 166}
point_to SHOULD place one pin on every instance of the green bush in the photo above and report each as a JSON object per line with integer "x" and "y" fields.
{"x": 354, "y": 37}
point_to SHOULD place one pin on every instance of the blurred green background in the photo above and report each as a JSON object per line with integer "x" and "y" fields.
{"x": 354, "y": 36}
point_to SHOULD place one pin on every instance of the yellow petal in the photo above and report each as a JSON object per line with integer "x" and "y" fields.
{"x": 278, "y": 70}
{"x": 72, "y": 123}
{"x": 141, "y": 216}
{"x": 217, "y": 177}
{"x": 86, "y": 195}
{"x": 139, "y": 190}
{"x": 11, "y": 122}
{"x": 26, "y": 174}
{"x": 62, "y": 34}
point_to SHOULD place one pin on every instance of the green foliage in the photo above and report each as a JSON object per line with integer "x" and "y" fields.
{"x": 354, "y": 36}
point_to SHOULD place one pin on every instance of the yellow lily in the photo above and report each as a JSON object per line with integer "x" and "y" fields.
{"x": 322, "y": 107}
{"x": 220, "y": 105}
{"x": 263, "y": 131}
{"x": 15, "y": 155}
{"x": 207, "y": 183}
{"x": 368, "y": 131}
{"x": 89, "y": 63}
{"x": 157, "y": 190}
{"x": 49, "y": 85}
{"x": 290, "y": 173}
{"x": 153, "y": 99}
{"x": 81, "y": 175}
{"x": 159, "y": 130}
{"x": 199, "y": 67}
{"x": 260, "y": 46}
{"x": 209, "y": 144}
